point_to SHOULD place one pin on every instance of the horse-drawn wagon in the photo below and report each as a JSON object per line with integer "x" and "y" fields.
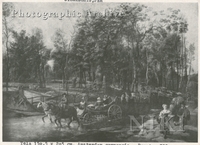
{"x": 90, "y": 114}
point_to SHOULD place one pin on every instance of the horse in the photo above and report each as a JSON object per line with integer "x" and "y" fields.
{"x": 47, "y": 108}
{"x": 58, "y": 112}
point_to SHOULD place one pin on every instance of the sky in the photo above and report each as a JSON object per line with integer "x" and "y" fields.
{"x": 49, "y": 25}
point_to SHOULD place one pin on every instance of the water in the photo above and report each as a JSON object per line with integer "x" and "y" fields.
{"x": 32, "y": 129}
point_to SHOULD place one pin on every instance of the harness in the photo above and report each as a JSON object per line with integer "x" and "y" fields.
{"x": 45, "y": 106}
{"x": 51, "y": 109}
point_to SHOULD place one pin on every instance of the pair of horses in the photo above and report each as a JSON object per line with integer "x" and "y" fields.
{"x": 58, "y": 113}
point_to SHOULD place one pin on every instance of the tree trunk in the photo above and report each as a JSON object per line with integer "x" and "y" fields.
{"x": 147, "y": 72}
{"x": 39, "y": 75}
{"x": 54, "y": 76}
{"x": 182, "y": 67}
{"x": 7, "y": 55}
{"x": 160, "y": 83}
{"x": 135, "y": 79}
{"x": 80, "y": 77}
{"x": 66, "y": 74}
{"x": 7, "y": 70}
{"x": 124, "y": 80}
{"x": 188, "y": 81}
{"x": 172, "y": 77}
{"x": 43, "y": 76}
{"x": 93, "y": 76}
{"x": 177, "y": 81}
{"x": 186, "y": 77}
{"x": 89, "y": 73}
{"x": 158, "y": 80}
{"x": 63, "y": 78}
{"x": 132, "y": 83}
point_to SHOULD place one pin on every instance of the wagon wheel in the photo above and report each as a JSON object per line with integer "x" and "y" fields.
{"x": 87, "y": 118}
{"x": 114, "y": 112}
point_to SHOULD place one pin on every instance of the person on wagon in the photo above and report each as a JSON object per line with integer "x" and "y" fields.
{"x": 81, "y": 108}
{"x": 105, "y": 100}
{"x": 82, "y": 104}
{"x": 64, "y": 101}
{"x": 98, "y": 104}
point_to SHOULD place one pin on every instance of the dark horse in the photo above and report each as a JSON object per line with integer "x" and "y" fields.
{"x": 58, "y": 113}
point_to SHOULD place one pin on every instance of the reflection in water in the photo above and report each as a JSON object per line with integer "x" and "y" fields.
{"x": 33, "y": 129}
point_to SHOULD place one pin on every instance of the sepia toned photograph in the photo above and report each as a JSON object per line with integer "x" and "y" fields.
{"x": 100, "y": 72}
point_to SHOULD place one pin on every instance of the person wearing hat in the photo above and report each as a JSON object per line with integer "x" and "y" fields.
{"x": 82, "y": 104}
{"x": 105, "y": 100}
{"x": 81, "y": 108}
{"x": 99, "y": 103}
{"x": 64, "y": 101}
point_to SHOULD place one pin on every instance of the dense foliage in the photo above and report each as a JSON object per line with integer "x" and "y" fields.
{"x": 140, "y": 46}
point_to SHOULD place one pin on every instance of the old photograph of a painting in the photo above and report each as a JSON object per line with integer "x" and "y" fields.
{"x": 100, "y": 72}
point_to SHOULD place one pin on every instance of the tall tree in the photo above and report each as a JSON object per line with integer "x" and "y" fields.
{"x": 7, "y": 8}
{"x": 60, "y": 54}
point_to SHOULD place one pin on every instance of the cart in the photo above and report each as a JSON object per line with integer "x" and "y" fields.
{"x": 111, "y": 111}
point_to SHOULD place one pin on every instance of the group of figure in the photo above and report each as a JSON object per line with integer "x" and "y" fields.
{"x": 176, "y": 111}
{"x": 97, "y": 105}
{"x": 101, "y": 103}
{"x": 180, "y": 114}
{"x": 134, "y": 98}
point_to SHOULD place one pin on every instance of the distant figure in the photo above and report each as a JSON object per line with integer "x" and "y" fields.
{"x": 132, "y": 98}
{"x": 64, "y": 102}
{"x": 184, "y": 115}
{"x": 188, "y": 97}
{"x": 126, "y": 97}
{"x": 123, "y": 98}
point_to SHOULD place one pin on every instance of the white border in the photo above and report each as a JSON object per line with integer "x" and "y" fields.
{"x": 105, "y": 1}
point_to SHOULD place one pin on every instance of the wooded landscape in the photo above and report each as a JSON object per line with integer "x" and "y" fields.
{"x": 138, "y": 47}
{"x": 100, "y": 72}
